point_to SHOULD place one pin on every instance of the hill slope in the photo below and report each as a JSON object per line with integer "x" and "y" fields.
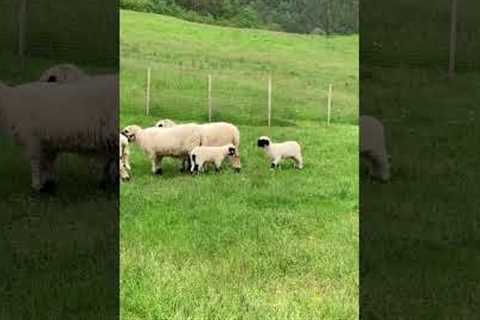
{"x": 182, "y": 54}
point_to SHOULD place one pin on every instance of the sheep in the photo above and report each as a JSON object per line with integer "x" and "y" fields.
{"x": 63, "y": 73}
{"x": 157, "y": 143}
{"x": 215, "y": 134}
{"x": 49, "y": 120}
{"x": 165, "y": 123}
{"x": 373, "y": 148}
{"x": 279, "y": 151}
{"x": 201, "y": 155}
{"x": 124, "y": 162}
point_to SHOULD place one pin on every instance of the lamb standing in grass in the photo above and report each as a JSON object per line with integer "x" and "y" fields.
{"x": 216, "y": 155}
{"x": 280, "y": 151}
{"x": 49, "y": 120}
{"x": 124, "y": 159}
{"x": 373, "y": 149}
{"x": 63, "y": 73}
{"x": 157, "y": 143}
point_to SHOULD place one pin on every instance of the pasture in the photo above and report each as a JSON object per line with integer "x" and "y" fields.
{"x": 257, "y": 245}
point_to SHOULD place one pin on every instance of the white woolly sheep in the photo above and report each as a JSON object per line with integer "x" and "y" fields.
{"x": 202, "y": 155}
{"x": 280, "y": 151}
{"x": 373, "y": 148}
{"x": 63, "y": 73}
{"x": 124, "y": 162}
{"x": 49, "y": 120}
{"x": 215, "y": 134}
{"x": 157, "y": 143}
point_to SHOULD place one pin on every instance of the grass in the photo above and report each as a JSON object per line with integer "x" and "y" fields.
{"x": 261, "y": 244}
{"x": 58, "y": 253}
{"x": 419, "y": 233}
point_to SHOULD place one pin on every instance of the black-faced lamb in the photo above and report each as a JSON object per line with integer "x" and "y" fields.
{"x": 201, "y": 155}
{"x": 280, "y": 151}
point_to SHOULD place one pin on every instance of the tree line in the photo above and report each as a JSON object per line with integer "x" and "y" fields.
{"x": 297, "y": 16}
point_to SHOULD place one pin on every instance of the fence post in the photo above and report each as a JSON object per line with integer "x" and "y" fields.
{"x": 210, "y": 104}
{"x": 330, "y": 89}
{"x": 147, "y": 92}
{"x": 453, "y": 38}
{"x": 269, "y": 100}
{"x": 22, "y": 27}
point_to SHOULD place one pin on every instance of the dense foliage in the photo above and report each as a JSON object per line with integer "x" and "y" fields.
{"x": 299, "y": 16}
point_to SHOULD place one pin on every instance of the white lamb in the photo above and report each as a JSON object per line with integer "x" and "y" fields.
{"x": 49, "y": 120}
{"x": 280, "y": 151}
{"x": 373, "y": 148}
{"x": 216, "y": 155}
{"x": 124, "y": 164}
{"x": 157, "y": 143}
{"x": 63, "y": 73}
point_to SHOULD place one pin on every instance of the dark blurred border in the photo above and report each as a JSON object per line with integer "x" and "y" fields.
{"x": 59, "y": 255}
{"x": 419, "y": 232}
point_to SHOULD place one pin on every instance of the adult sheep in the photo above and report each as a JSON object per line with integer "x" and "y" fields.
{"x": 49, "y": 120}
{"x": 63, "y": 73}
{"x": 373, "y": 148}
{"x": 215, "y": 134}
{"x": 158, "y": 143}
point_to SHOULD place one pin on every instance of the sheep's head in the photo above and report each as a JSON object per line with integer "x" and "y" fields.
{"x": 263, "y": 142}
{"x": 231, "y": 150}
{"x": 63, "y": 73}
{"x": 165, "y": 123}
{"x": 131, "y": 132}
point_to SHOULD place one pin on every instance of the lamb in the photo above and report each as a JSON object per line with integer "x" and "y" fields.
{"x": 63, "y": 73}
{"x": 216, "y": 155}
{"x": 124, "y": 164}
{"x": 49, "y": 120}
{"x": 373, "y": 148}
{"x": 215, "y": 134}
{"x": 279, "y": 151}
{"x": 157, "y": 143}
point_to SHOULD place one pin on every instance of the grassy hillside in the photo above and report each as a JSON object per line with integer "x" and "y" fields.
{"x": 261, "y": 244}
{"x": 182, "y": 54}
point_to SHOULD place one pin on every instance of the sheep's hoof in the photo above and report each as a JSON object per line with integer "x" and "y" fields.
{"x": 237, "y": 170}
{"x": 159, "y": 172}
{"x": 126, "y": 179}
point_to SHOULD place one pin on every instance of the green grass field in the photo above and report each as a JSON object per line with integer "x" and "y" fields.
{"x": 261, "y": 244}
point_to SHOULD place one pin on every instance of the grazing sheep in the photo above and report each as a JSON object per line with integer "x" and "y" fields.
{"x": 124, "y": 158}
{"x": 373, "y": 148}
{"x": 49, "y": 120}
{"x": 279, "y": 151}
{"x": 157, "y": 143}
{"x": 63, "y": 73}
{"x": 201, "y": 155}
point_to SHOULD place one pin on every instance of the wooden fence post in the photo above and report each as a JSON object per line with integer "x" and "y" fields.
{"x": 22, "y": 27}
{"x": 210, "y": 102}
{"x": 453, "y": 38}
{"x": 269, "y": 100}
{"x": 147, "y": 92}
{"x": 330, "y": 89}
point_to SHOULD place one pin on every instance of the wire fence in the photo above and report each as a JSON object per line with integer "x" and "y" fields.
{"x": 184, "y": 95}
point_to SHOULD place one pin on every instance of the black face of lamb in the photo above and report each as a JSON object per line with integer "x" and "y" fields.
{"x": 231, "y": 151}
{"x": 52, "y": 79}
{"x": 262, "y": 143}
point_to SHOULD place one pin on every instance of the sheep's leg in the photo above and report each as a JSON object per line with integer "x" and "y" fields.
{"x": 157, "y": 164}
{"x": 218, "y": 165}
{"x": 298, "y": 161}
